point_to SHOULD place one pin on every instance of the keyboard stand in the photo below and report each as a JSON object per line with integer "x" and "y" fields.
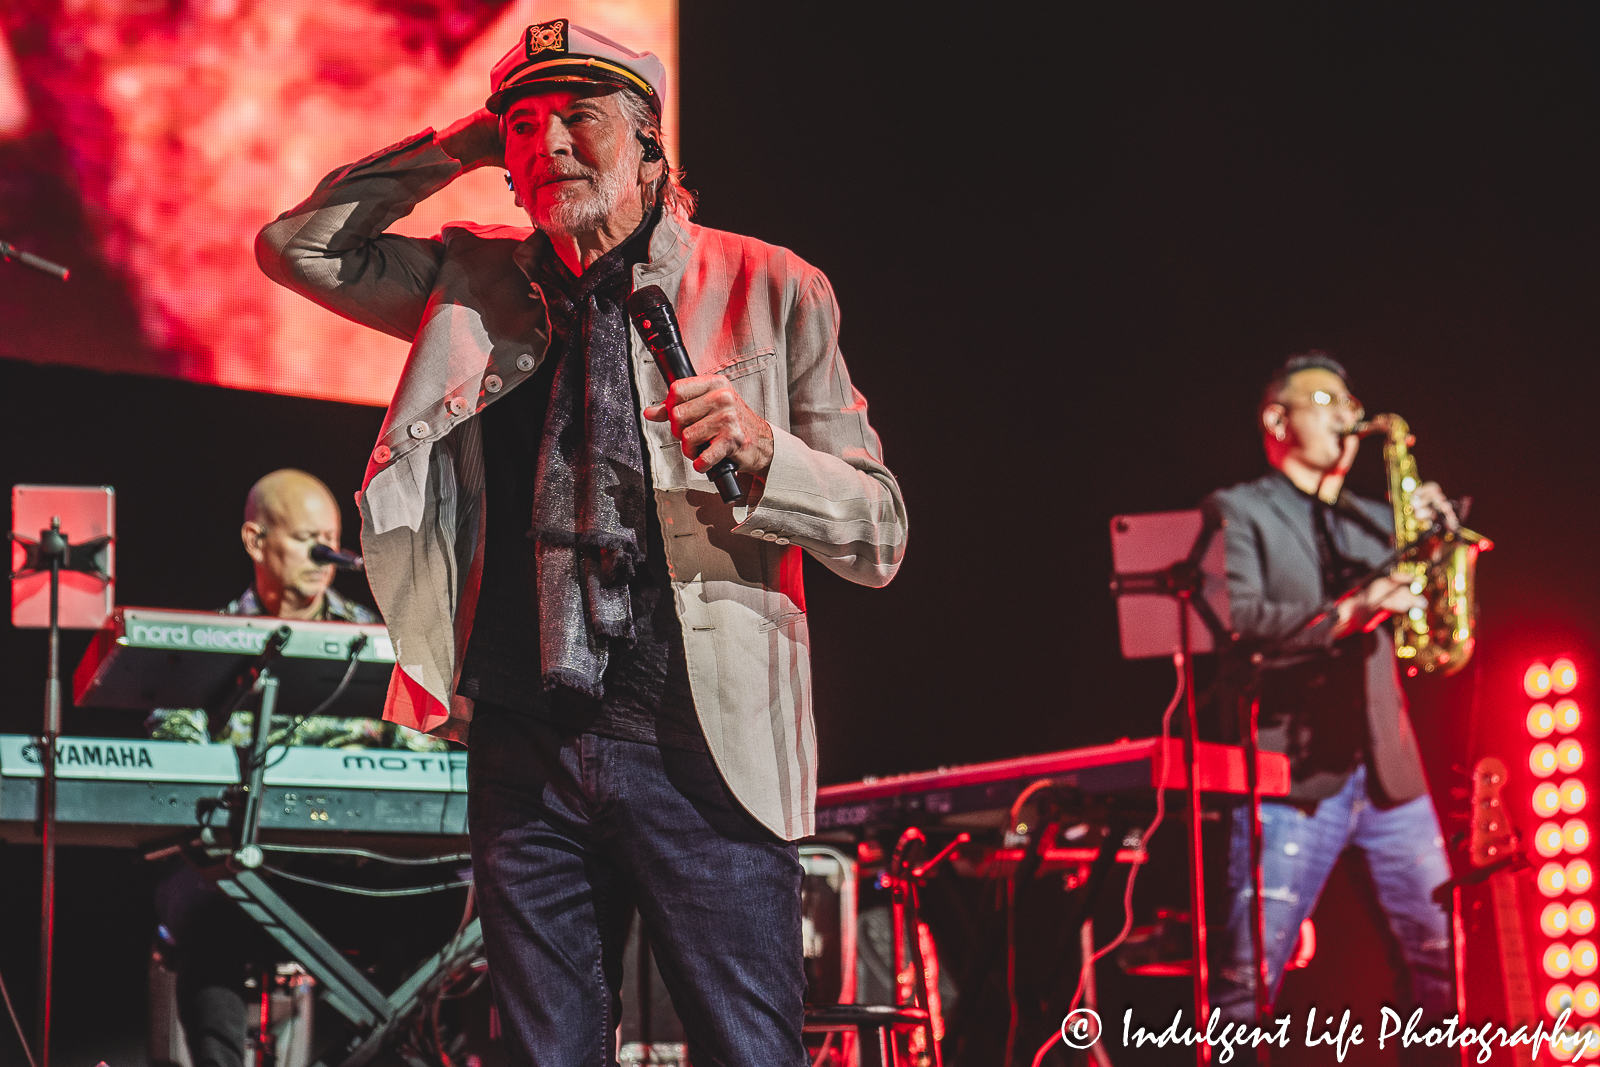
{"x": 346, "y": 989}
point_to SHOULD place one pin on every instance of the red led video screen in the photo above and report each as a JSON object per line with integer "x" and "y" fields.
{"x": 143, "y": 143}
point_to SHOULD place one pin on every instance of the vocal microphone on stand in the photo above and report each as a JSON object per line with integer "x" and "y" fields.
{"x": 345, "y": 561}
{"x": 656, "y": 322}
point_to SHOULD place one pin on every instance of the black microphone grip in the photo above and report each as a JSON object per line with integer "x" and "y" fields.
{"x": 653, "y": 317}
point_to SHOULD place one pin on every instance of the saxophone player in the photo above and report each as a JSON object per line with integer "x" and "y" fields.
{"x": 1330, "y": 695}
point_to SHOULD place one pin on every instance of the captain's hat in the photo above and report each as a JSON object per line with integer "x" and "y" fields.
{"x": 558, "y": 51}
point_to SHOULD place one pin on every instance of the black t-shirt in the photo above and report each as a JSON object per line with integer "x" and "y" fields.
{"x": 647, "y": 695}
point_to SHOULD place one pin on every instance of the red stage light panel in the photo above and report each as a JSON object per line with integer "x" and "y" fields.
{"x": 1563, "y": 675}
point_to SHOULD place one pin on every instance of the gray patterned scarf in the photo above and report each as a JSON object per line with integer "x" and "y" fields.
{"x": 589, "y": 497}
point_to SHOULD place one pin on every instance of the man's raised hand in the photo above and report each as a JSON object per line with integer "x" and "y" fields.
{"x": 475, "y": 140}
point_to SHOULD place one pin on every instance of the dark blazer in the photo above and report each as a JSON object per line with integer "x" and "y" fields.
{"x": 1325, "y": 704}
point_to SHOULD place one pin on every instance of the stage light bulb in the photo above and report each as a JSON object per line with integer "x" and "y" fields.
{"x": 1547, "y": 839}
{"x": 1573, "y": 796}
{"x": 1569, "y": 754}
{"x": 1567, "y": 716}
{"x": 1541, "y": 720}
{"x": 1536, "y": 683}
{"x": 1580, "y": 917}
{"x": 1557, "y": 960}
{"x": 1542, "y": 760}
{"x": 1546, "y": 799}
{"x": 1579, "y": 876}
{"x": 1563, "y": 675}
{"x": 1553, "y": 920}
{"x": 1586, "y": 999}
{"x": 1585, "y": 958}
{"x": 1558, "y": 999}
{"x": 1552, "y": 880}
{"x": 1575, "y": 835}
{"x": 1589, "y": 1045}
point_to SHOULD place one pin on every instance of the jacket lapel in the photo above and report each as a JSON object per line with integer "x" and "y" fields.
{"x": 1283, "y": 498}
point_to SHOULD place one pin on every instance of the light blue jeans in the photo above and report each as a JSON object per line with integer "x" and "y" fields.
{"x": 1405, "y": 853}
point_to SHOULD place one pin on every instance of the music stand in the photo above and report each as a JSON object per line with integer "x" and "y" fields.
{"x": 37, "y": 567}
{"x": 1171, "y": 574}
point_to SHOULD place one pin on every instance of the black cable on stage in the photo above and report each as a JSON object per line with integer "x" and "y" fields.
{"x": 357, "y": 643}
{"x": 361, "y": 853}
{"x": 26, "y": 1051}
{"x": 415, "y": 891}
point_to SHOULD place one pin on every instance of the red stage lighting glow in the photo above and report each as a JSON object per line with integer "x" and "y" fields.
{"x": 1552, "y": 880}
{"x": 1569, "y": 754}
{"x": 1547, "y": 839}
{"x": 1558, "y": 999}
{"x": 1563, "y": 675}
{"x": 1586, "y": 999}
{"x": 1536, "y": 683}
{"x": 1575, "y": 835}
{"x": 1573, "y": 796}
{"x": 1557, "y": 960}
{"x": 1579, "y": 875}
{"x": 1542, "y": 760}
{"x": 1553, "y": 920}
{"x": 1580, "y": 917}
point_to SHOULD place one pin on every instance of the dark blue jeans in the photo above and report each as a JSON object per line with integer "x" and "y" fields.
{"x": 1405, "y": 854}
{"x": 569, "y": 835}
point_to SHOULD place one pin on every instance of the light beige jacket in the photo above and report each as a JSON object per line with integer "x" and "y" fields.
{"x": 755, "y": 313}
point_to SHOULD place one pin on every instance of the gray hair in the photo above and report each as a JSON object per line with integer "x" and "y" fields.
{"x": 670, "y": 191}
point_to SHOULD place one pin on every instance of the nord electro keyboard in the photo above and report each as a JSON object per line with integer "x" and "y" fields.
{"x": 979, "y": 794}
{"x": 131, "y": 793}
{"x": 147, "y": 658}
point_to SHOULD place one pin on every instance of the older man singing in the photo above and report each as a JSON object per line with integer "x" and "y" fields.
{"x": 628, "y": 653}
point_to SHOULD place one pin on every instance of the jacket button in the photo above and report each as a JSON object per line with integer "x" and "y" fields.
{"x": 757, "y": 533}
{"x": 783, "y": 540}
{"x": 769, "y": 537}
{"x": 492, "y": 383}
{"x": 419, "y": 429}
{"x": 456, "y": 405}
{"x": 524, "y": 362}
{"x": 381, "y": 454}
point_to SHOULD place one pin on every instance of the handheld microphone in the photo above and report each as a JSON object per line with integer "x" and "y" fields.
{"x": 653, "y": 317}
{"x": 345, "y": 561}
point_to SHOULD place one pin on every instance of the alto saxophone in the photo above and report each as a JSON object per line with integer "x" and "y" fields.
{"x": 1442, "y": 564}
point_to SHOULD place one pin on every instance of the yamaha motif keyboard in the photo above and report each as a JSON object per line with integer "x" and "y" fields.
{"x": 130, "y": 793}
{"x": 147, "y": 658}
{"x": 979, "y": 794}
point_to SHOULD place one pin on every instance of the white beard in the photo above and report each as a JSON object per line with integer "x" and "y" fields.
{"x": 572, "y": 216}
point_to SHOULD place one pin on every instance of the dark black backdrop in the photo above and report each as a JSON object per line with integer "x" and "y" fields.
{"x": 1067, "y": 245}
